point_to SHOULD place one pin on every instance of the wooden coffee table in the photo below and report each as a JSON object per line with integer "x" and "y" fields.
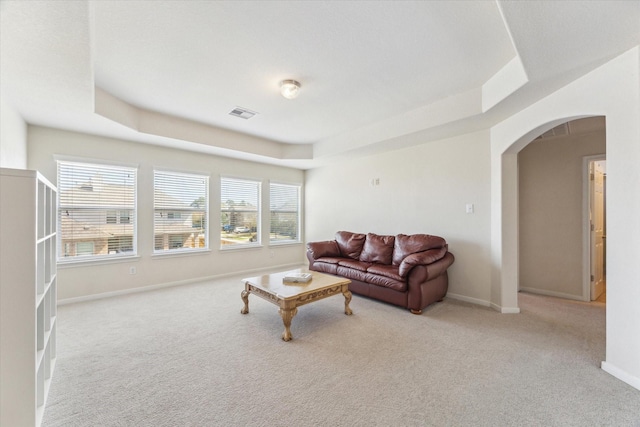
{"x": 290, "y": 296}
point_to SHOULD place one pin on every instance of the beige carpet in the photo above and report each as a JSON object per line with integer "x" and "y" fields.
{"x": 185, "y": 356}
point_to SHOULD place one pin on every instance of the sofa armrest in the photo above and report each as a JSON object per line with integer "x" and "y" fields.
{"x": 328, "y": 248}
{"x": 421, "y": 258}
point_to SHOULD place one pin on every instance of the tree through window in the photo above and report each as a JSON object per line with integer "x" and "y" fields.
{"x": 239, "y": 212}
{"x": 181, "y": 210}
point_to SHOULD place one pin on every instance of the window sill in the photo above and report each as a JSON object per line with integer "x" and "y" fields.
{"x": 177, "y": 253}
{"x": 231, "y": 248}
{"x": 285, "y": 243}
{"x": 87, "y": 262}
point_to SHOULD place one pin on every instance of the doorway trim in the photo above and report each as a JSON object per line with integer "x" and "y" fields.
{"x": 586, "y": 224}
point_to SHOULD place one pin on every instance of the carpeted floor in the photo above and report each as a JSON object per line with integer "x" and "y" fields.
{"x": 185, "y": 356}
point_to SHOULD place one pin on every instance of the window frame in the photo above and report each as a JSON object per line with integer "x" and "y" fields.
{"x": 89, "y": 169}
{"x": 258, "y": 212}
{"x": 171, "y": 211}
{"x": 298, "y": 187}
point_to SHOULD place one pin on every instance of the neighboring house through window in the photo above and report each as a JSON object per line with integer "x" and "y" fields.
{"x": 240, "y": 212}
{"x": 118, "y": 217}
{"x": 181, "y": 210}
{"x": 96, "y": 211}
{"x": 284, "y": 202}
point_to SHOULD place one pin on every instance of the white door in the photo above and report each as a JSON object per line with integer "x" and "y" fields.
{"x": 597, "y": 229}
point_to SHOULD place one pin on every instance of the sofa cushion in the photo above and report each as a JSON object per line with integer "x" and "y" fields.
{"x": 406, "y": 245}
{"x": 350, "y": 273}
{"x": 330, "y": 259}
{"x": 391, "y": 271}
{"x": 350, "y": 244}
{"x": 324, "y": 267}
{"x": 327, "y": 248}
{"x": 378, "y": 249}
{"x": 387, "y": 282}
{"x": 352, "y": 263}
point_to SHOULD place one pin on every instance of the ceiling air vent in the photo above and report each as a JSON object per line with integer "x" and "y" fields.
{"x": 243, "y": 113}
{"x": 560, "y": 130}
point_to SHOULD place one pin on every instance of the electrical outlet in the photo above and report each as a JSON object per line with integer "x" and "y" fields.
{"x": 133, "y": 270}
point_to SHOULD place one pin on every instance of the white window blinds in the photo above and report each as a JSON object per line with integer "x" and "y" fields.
{"x": 285, "y": 213}
{"x": 240, "y": 212}
{"x": 96, "y": 211}
{"x": 181, "y": 210}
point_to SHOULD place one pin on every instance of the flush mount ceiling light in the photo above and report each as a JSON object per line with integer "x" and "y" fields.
{"x": 289, "y": 88}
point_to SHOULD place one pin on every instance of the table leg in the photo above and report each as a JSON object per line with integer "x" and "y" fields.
{"x": 347, "y": 300}
{"x": 287, "y": 316}
{"x": 245, "y": 297}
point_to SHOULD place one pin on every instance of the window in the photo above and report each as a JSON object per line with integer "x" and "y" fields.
{"x": 125, "y": 217}
{"x": 285, "y": 213}
{"x": 240, "y": 212}
{"x": 181, "y": 210}
{"x": 85, "y": 248}
{"x": 118, "y": 217}
{"x": 96, "y": 211}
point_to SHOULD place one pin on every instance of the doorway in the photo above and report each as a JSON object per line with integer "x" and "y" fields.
{"x": 596, "y": 178}
{"x": 555, "y": 208}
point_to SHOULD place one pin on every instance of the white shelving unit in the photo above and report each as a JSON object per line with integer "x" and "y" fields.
{"x": 28, "y": 295}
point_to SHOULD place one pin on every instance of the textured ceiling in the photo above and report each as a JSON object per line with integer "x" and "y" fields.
{"x": 169, "y": 72}
{"x": 357, "y": 65}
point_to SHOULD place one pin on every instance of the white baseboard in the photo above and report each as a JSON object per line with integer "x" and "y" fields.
{"x": 477, "y": 301}
{"x": 469, "y": 299}
{"x": 92, "y": 297}
{"x": 552, "y": 294}
{"x": 171, "y": 284}
{"x": 621, "y": 375}
{"x": 506, "y": 310}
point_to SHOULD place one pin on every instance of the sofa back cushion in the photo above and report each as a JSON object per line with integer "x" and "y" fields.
{"x": 377, "y": 249}
{"x": 409, "y": 244}
{"x": 350, "y": 244}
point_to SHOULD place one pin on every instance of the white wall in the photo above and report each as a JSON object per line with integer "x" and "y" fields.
{"x": 83, "y": 280}
{"x": 550, "y": 196}
{"x": 13, "y": 137}
{"x": 613, "y": 91}
{"x": 421, "y": 189}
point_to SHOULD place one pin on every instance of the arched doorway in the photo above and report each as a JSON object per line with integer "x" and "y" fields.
{"x": 612, "y": 91}
{"x": 504, "y": 218}
{"x": 555, "y": 213}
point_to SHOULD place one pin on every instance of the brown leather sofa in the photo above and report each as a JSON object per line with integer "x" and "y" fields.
{"x": 406, "y": 270}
